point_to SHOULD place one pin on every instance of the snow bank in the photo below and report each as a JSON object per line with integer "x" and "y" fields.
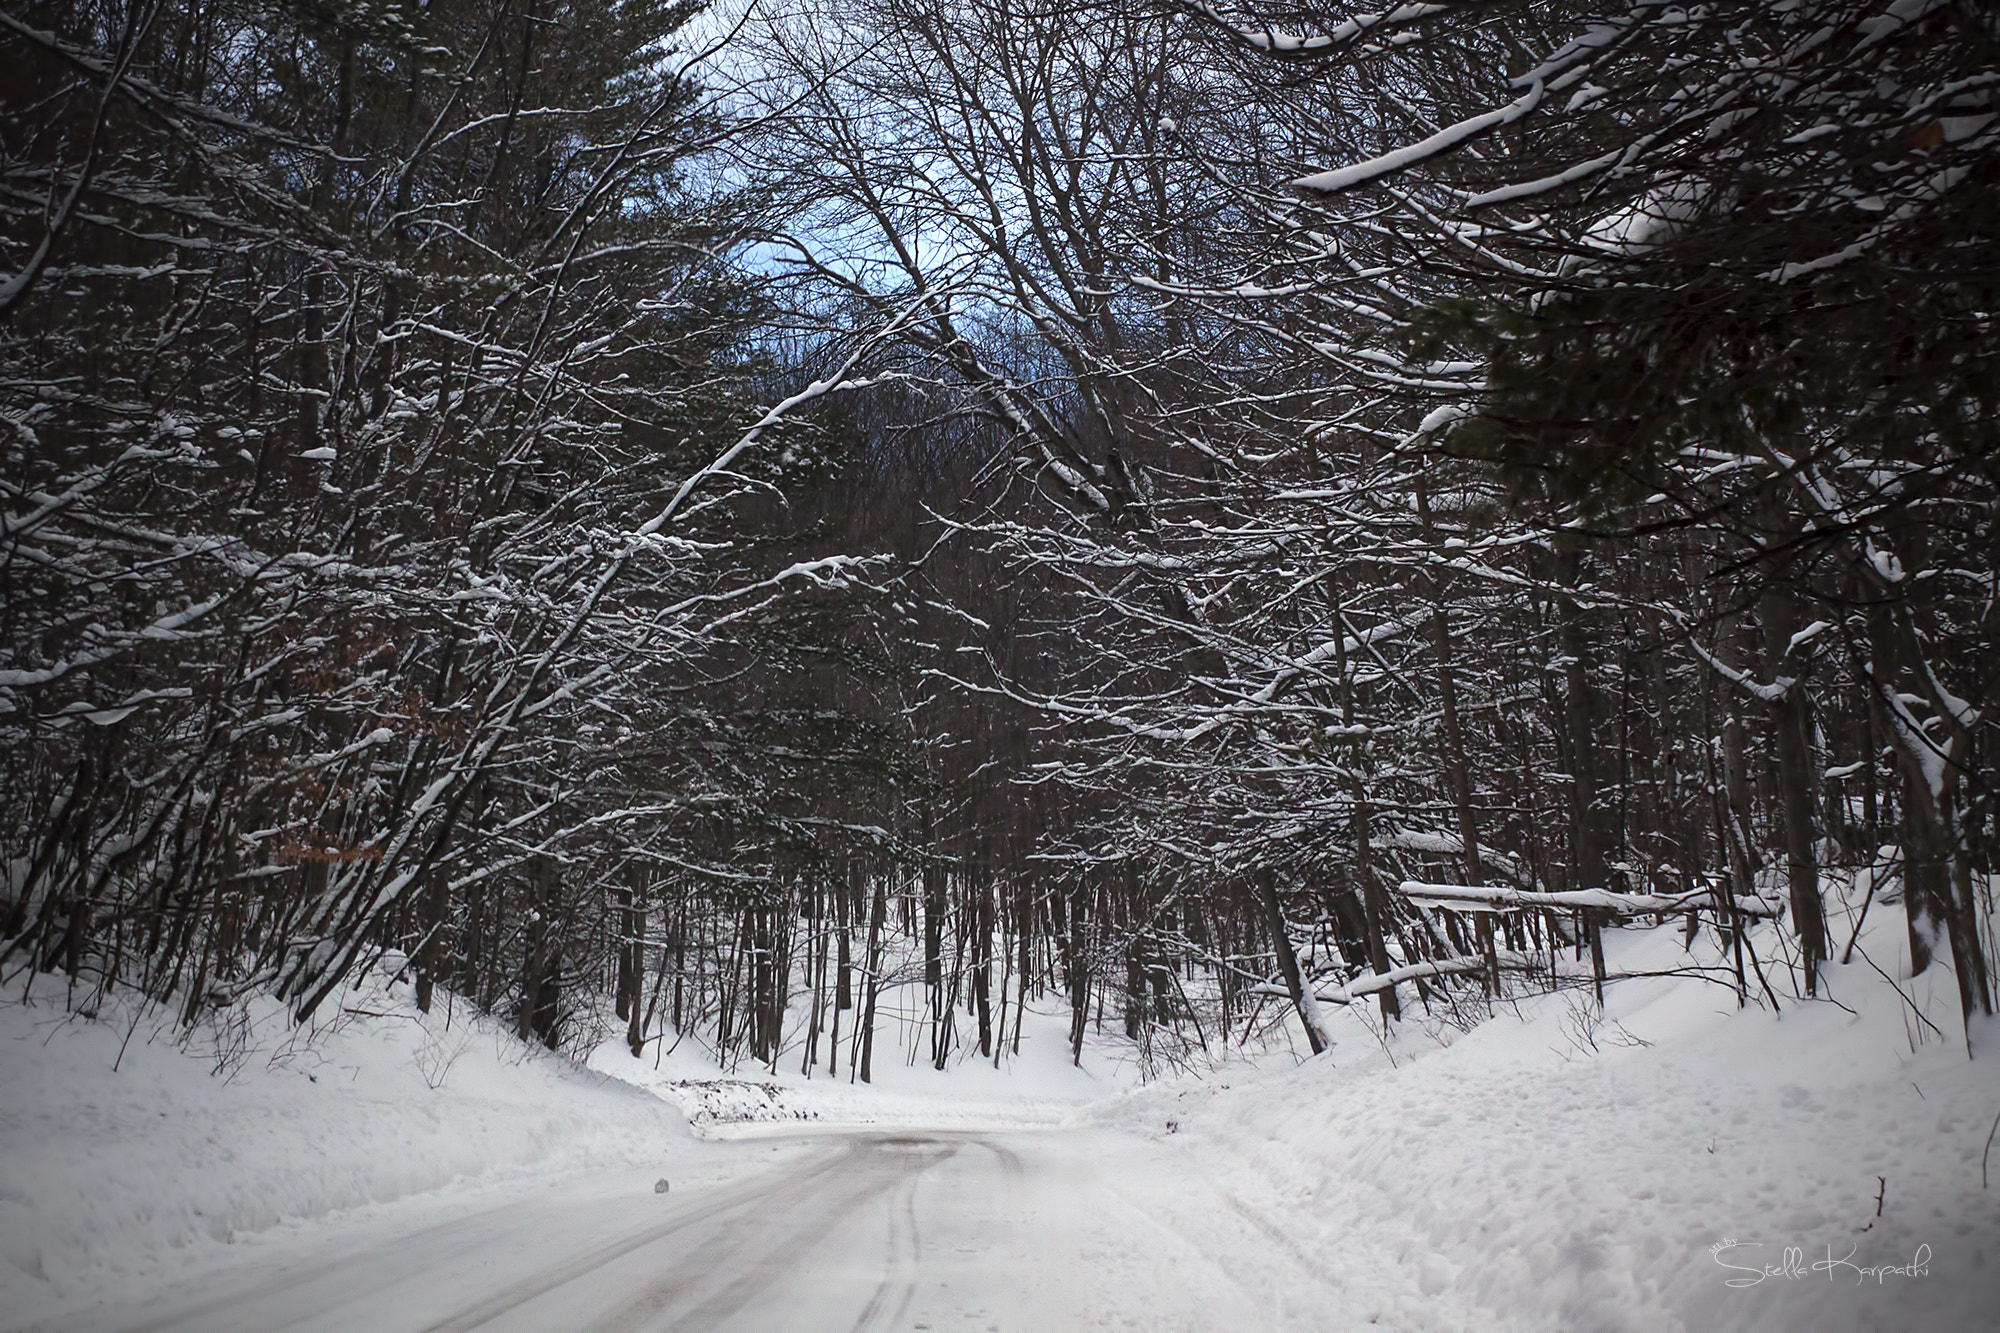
{"x": 124, "y": 1154}
{"x": 1554, "y": 1169}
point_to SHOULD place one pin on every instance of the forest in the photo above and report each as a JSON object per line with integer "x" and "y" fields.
{"x": 662, "y": 521}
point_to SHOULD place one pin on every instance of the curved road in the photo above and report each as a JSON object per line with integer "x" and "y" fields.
{"x": 839, "y": 1233}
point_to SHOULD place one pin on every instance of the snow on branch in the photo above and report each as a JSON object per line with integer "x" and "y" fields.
{"x": 1277, "y": 41}
{"x": 1473, "y": 898}
{"x": 1372, "y": 983}
{"x": 1451, "y": 136}
{"x": 1770, "y": 694}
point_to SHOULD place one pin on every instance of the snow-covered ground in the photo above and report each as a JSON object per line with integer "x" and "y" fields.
{"x": 1036, "y": 1086}
{"x": 1553, "y": 1168}
{"x": 126, "y": 1158}
{"x": 135, "y": 1159}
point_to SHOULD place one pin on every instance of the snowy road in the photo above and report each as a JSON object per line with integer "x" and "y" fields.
{"x": 850, "y": 1231}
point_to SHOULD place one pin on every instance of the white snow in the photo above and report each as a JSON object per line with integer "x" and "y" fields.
{"x": 1038, "y": 1087}
{"x": 1554, "y": 1169}
{"x": 1551, "y": 1168}
{"x": 1360, "y": 173}
{"x": 124, "y": 1157}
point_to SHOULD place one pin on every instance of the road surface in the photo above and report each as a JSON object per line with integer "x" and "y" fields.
{"x": 877, "y": 1230}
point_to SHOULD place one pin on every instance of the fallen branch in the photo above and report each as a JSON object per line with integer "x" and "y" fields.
{"x": 1531, "y": 963}
{"x": 1477, "y": 898}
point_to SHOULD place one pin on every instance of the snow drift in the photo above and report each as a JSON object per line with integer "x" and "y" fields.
{"x": 124, "y": 1154}
{"x": 1558, "y": 1168}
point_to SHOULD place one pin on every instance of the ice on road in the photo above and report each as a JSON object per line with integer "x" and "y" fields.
{"x": 903, "y": 1229}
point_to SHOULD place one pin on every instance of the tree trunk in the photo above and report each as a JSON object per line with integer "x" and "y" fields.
{"x": 1583, "y": 711}
{"x": 1374, "y": 904}
{"x": 1796, "y": 780}
{"x": 632, "y": 963}
{"x": 877, "y": 914}
{"x": 1078, "y": 975}
{"x": 1457, "y": 773}
{"x": 622, "y": 991}
{"x": 982, "y": 956}
{"x": 541, "y": 872}
{"x": 1303, "y": 1000}
{"x": 431, "y": 953}
{"x": 1024, "y": 908}
{"x": 935, "y": 882}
